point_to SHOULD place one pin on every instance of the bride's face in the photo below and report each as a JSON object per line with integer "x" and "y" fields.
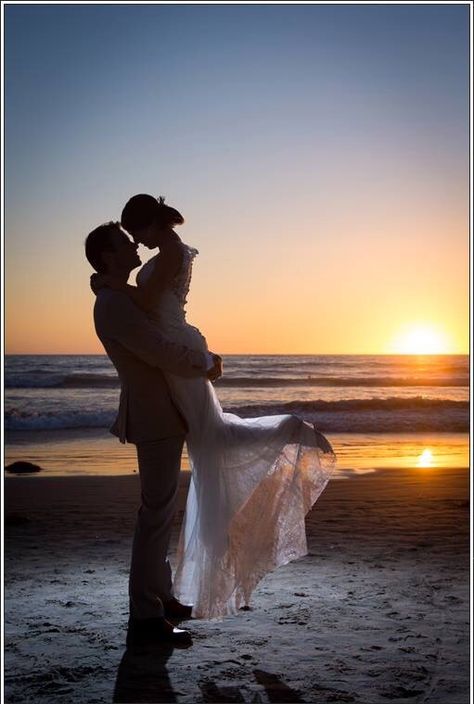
{"x": 154, "y": 235}
{"x": 146, "y": 236}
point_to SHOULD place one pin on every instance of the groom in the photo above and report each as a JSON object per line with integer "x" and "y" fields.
{"x": 149, "y": 419}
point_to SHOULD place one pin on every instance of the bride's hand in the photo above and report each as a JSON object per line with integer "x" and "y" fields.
{"x": 216, "y": 371}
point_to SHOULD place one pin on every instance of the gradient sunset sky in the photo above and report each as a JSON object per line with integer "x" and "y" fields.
{"x": 319, "y": 154}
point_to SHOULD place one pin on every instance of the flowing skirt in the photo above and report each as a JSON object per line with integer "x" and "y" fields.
{"x": 252, "y": 482}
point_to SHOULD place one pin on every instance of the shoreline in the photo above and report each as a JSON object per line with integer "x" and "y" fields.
{"x": 185, "y": 475}
{"x": 98, "y": 453}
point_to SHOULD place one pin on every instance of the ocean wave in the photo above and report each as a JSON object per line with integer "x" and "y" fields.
{"x": 362, "y": 404}
{"x": 350, "y": 416}
{"x": 33, "y": 381}
{"x": 341, "y": 381}
{"x": 390, "y": 415}
{"x": 68, "y": 381}
{"x": 52, "y": 420}
{"x": 102, "y": 381}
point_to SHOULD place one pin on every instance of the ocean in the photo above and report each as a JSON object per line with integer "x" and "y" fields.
{"x": 370, "y": 406}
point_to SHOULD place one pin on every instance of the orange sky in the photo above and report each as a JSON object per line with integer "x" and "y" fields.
{"x": 319, "y": 153}
{"x": 353, "y": 290}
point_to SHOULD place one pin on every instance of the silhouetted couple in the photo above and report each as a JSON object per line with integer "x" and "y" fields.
{"x": 252, "y": 480}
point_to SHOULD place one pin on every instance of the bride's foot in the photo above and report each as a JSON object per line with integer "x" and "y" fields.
{"x": 175, "y": 610}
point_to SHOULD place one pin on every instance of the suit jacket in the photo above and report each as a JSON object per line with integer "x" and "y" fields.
{"x": 139, "y": 352}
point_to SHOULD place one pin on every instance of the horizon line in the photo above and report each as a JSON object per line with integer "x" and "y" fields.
{"x": 260, "y": 354}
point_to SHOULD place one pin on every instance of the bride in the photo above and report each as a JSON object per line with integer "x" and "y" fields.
{"x": 252, "y": 479}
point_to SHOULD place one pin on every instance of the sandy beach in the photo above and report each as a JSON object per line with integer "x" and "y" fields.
{"x": 377, "y": 611}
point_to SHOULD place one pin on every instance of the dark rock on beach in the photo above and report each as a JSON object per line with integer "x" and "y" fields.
{"x": 23, "y": 468}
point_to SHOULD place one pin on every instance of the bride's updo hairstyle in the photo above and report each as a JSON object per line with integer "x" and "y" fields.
{"x": 143, "y": 210}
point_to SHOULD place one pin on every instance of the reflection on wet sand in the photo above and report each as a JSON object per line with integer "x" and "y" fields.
{"x": 408, "y": 451}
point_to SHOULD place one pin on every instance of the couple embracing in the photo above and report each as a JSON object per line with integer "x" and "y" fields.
{"x": 252, "y": 479}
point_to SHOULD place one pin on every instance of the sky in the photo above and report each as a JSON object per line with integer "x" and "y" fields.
{"x": 319, "y": 154}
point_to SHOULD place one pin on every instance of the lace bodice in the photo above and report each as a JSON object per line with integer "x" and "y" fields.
{"x": 182, "y": 281}
{"x": 171, "y": 302}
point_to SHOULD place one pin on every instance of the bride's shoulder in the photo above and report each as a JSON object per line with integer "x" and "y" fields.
{"x": 178, "y": 244}
{"x": 182, "y": 252}
{"x": 189, "y": 250}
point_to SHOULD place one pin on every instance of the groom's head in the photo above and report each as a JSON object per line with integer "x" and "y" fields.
{"x": 109, "y": 250}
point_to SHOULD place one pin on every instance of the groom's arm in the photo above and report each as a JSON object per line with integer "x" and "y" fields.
{"x": 121, "y": 320}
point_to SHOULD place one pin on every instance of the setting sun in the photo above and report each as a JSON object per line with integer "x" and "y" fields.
{"x": 425, "y": 459}
{"x": 421, "y": 340}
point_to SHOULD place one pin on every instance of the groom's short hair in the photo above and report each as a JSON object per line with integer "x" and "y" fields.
{"x": 99, "y": 241}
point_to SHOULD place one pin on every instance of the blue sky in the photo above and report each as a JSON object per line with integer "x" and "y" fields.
{"x": 304, "y": 131}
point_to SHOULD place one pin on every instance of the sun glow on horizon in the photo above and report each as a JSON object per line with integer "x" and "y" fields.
{"x": 425, "y": 459}
{"x": 421, "y": 339}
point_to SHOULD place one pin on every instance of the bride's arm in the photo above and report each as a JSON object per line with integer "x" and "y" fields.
{"x": 98, "y": 281}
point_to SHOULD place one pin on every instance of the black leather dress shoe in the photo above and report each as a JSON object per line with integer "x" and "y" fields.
{"x": 175, "y": 610}
{"x": 154, "y": 631}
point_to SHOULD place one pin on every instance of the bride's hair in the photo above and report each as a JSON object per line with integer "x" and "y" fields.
{"x": 142, "y": 210}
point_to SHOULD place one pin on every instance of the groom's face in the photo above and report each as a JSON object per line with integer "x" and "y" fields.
{"x": 125, "y": 252}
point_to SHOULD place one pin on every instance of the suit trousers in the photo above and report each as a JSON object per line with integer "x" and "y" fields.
{"x": 150, "y": 584}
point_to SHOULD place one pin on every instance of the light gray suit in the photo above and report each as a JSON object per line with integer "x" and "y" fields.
{"x": 149, "y": 419}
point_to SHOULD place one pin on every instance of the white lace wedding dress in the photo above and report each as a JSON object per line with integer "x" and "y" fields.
{"x": 252, "y": 481}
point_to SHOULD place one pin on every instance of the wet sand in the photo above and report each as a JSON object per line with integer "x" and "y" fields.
{"x": 377, "y": 611}
{"x": 95, "y": 452}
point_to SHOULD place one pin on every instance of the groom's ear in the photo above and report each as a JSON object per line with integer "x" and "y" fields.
{"x": 107, "y": 258}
